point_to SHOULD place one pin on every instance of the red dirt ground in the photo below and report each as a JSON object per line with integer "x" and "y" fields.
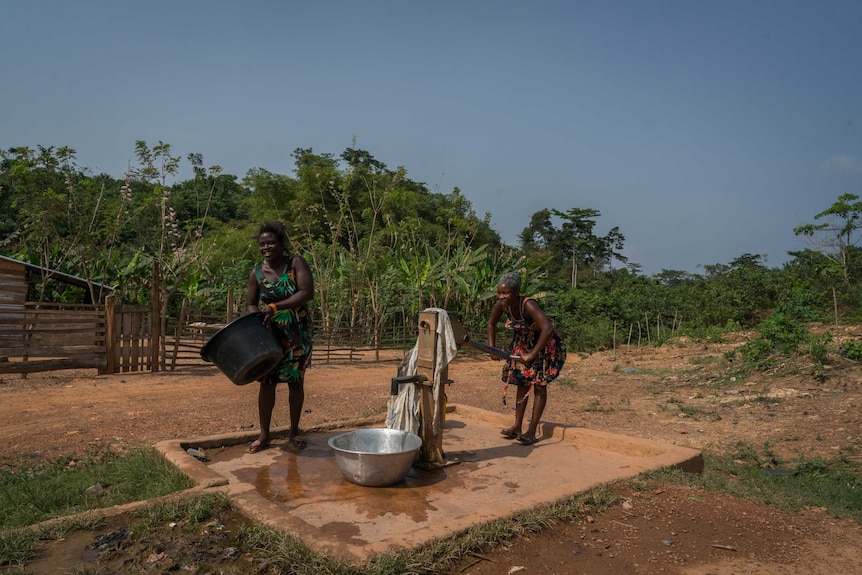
{"x": 667, "y": 394}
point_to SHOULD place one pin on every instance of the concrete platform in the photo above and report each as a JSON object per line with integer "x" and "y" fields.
{"x": 487, "y": 477}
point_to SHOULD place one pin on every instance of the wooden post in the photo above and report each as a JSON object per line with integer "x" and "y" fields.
{"x": 230, "y": 304}
{"x": 178, "y": 334}
{"x": 155, "y": 320}
{"x": 431, "y": 453}
{"x": 110, "y": 335}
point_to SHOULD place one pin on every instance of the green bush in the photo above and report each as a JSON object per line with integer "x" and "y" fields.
{"x": 780, "y": 336}
{"x": 851, "y": 349}
{"x": 818, "y": 347}
{"x": 802, "y": 304}
{"x": 757, "y": 352}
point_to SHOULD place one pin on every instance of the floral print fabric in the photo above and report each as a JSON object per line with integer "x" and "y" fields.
{"x": 546, "y": 367}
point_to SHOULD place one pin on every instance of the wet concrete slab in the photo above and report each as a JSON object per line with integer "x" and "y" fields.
{"x": 487, "y": 477}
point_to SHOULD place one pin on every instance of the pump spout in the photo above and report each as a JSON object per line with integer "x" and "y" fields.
{"x": 397, "y": 381}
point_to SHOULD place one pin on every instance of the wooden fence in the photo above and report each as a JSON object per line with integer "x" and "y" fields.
{"x": 130, "y": 339}
{"x": 37, "y": 337}
{"x": 47, "y": 337}
{"x": 336, "y": 344}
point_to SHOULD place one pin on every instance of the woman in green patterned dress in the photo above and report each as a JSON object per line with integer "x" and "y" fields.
{"x": 281, "y": 288}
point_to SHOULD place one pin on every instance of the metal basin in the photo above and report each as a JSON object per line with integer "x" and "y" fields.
{"x": 375, "y": 457}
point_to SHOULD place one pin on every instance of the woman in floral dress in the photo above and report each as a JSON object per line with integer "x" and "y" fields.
{"x": 537, "y": 352}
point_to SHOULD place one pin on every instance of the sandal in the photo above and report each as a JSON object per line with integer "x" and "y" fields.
{"x": 509, "y": 433}
{"x": 299, "y": 442}
{"x": 256, "y": 445}
{"x": 524, "y": 440}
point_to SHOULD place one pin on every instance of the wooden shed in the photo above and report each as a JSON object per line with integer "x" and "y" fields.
{"x": 41, "y": 336}
{"x": 18, "y": 278}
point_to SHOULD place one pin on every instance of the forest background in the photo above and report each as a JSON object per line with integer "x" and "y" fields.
{"x": 383, "y": 247}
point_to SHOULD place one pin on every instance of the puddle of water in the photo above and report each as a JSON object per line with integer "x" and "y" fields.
{"x": 299, "y": 479}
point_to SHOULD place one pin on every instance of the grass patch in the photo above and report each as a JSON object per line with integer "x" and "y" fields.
{"x": 567, "y": 382}
{"x": 835, "y": 486}
{"x": 187, "y": 512}
{"x": 65, "y": 487}
{"x": 596, "y": 406}
{"x": 18, "y": 545}
{"x": 707, "y": 360}
{"x": 730, "y": 378}
{"x": 691, "y": 411}
{"x": 662, "y": 372}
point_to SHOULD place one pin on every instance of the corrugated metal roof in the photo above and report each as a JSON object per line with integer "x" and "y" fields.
{"x": 54, "y": 274}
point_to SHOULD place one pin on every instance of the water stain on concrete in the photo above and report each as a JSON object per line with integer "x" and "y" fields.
{"x": 487, "y": 477}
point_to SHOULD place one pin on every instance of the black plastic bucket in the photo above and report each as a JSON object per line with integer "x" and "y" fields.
{"x": 244, "y": 350}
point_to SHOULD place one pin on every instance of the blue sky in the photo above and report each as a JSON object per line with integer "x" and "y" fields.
{"x": 704, "y": 130}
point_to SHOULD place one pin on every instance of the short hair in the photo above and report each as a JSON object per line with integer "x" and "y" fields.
{"x": 511, "y": 280}
{"x": 275, "y": 228}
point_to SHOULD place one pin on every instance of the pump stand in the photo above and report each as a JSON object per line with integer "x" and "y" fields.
{"x": 431, "y": 410}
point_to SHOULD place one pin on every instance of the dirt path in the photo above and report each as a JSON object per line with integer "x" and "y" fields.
{"x": 670, "y": 394}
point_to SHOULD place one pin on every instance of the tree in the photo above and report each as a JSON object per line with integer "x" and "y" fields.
{"x": 673, "y": 278}
{"x": 838, "y": 237}
{"x": 573, "y": 244}
{"x": 210, "y": 195}
{"x": 63, "y": 218}
{"x": 177, "y": 254}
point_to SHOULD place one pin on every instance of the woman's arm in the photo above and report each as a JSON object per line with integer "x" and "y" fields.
{"x": 304, "y": 286}
{"x": 491, "y": 329}
{"x": 252, "y": 294}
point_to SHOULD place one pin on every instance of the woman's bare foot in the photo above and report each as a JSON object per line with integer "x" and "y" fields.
{"x": 257, "y": 445}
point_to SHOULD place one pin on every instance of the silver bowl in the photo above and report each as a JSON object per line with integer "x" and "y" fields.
{"x": 375, "y": 457}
